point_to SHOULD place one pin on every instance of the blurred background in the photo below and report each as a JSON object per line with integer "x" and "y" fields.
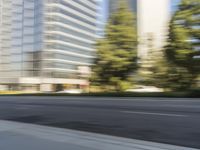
{"x": 78, "y": 46}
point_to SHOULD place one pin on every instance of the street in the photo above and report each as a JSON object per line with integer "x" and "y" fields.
{"x": 163, "y": 120}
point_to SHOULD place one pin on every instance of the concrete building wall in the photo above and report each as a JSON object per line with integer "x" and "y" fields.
{"x": 69, "y": 37}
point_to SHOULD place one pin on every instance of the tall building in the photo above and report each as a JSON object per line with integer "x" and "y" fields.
{"x": 152, "y": 21}
{"x": 47, "y": 42}
{"x": 153, "y": 18}
{"x": 113, "y": 5}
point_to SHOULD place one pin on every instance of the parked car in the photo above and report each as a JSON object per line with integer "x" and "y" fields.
{"x": 145, "y": 89}
{"x": 72, "y": 91}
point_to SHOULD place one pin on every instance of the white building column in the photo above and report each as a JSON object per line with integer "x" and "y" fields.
{"x": 153, "y": 18}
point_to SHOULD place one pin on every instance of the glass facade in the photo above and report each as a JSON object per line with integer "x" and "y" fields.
{"x": 47, "y": 38}
{"x": 22, "y": 30}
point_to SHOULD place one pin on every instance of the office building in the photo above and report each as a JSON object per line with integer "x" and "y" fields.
{"x": 46, "y": 43}
{"x": 114, "y": 4}
{"x": 153, "y": 19}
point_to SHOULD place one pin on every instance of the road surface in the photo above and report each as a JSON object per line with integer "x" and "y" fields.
{"x": 164, "y": 120}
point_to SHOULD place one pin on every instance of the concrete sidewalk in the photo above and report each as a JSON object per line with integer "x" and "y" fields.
{"x": 21, "y": 136}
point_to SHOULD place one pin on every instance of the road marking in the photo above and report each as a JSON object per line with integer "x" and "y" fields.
{"x": 158, "y": 114}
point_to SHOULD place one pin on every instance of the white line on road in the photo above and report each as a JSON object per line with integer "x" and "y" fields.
{"x": 149, "y": 113}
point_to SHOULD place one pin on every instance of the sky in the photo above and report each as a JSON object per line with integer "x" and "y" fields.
{"x": 174, "y": 4}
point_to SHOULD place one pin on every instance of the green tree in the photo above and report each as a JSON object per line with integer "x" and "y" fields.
{"x": 184, "y": 40}
{"x": 169, "y": 76}
{"x": 117, "y": 51}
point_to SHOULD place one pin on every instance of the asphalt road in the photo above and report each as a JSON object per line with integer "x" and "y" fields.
{"x": 172, "y": 121}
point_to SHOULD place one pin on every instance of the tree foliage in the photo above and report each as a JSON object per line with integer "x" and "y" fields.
{"x": 169, "y": 76}
{"x": 184, "y": 36}
{"x": 117, "y": 51}
{"x": 183, "y": 48}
